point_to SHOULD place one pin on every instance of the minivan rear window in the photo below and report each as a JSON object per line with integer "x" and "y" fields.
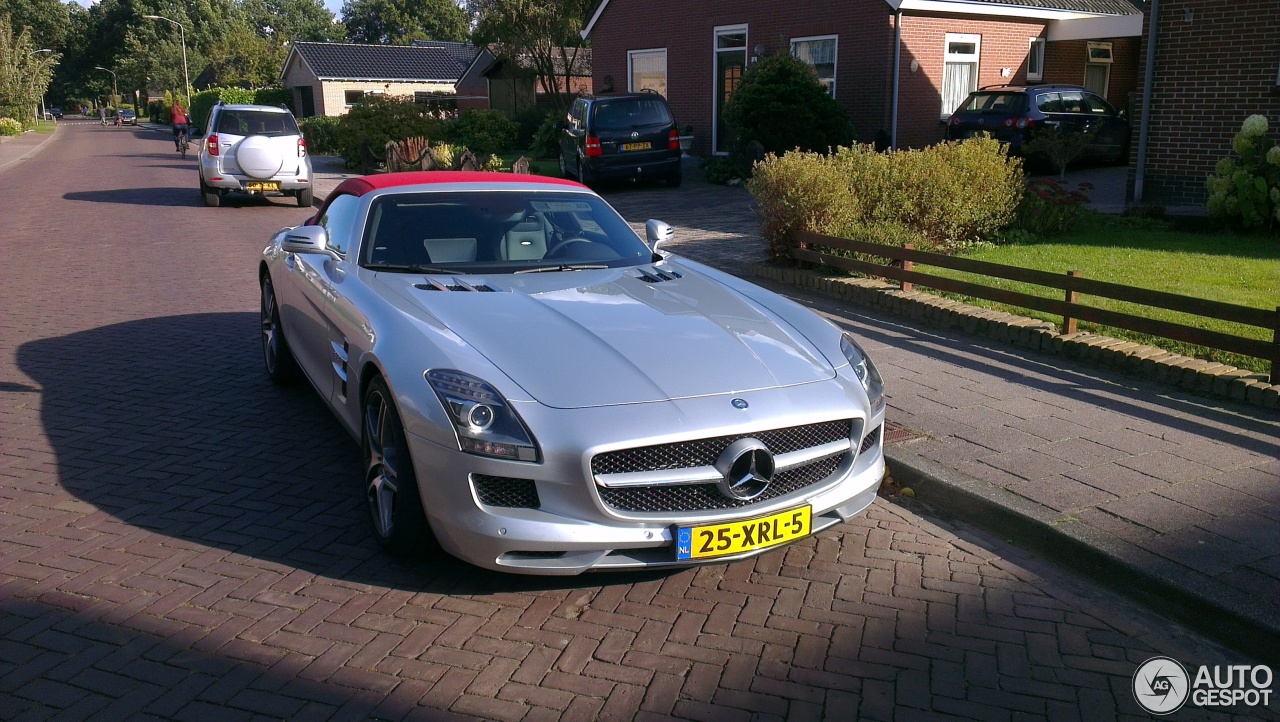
{"x": 630, "y": 113}
{"x": 994, "y": 103}
{"x": 256, "y": 122}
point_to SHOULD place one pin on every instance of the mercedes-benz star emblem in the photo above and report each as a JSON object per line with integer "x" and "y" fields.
{"x": 747, "y": 468}
{"x": 739, "y": 403}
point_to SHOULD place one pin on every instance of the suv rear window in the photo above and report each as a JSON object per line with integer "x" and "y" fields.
{"x": 994, "y": 103}
{"x": 256, "y": 122}
{"x": 630, "y": 113}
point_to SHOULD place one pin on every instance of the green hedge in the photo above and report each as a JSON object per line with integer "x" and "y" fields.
{"x": 945, "y": 197}
{"x": 203, "y": 102}
{"x": 321, "y": 132}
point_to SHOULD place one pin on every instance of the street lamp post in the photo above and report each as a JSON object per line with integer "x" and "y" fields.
{"x": 182, "y": 31}
{"x": 113, "y": 83}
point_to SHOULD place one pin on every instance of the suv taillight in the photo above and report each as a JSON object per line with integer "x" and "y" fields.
{"x": 211, "y": 144}
{"x": 594, "y": 150}
{"x": 673, "y": 140}
{"x": 1020, "y": 123}
{"x": 302, "y": 147}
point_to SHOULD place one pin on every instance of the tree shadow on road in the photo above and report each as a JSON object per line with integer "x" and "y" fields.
{"x": 170, "y": 424}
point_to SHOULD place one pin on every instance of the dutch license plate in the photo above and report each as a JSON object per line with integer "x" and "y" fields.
{"x": 718, "y": 540}
{"x": 637, "y": 146}
{"x": 262, "y": 185}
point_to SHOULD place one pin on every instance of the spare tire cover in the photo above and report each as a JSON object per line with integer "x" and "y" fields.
{"x": 259, "y": 157}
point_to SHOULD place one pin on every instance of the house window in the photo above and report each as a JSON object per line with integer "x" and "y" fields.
{"x": 647, "y": 70}
{"x": 1097, "y": 69}
{"x": 820, "y": 54}
{"x": 959, "y": 70}
{"x": 1035, "y": 60}
{"x": 352, "y": 97}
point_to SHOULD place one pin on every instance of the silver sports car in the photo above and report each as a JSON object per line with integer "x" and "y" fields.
{"x": 535, "y": 389}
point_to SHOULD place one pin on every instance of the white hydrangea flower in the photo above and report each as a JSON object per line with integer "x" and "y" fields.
{"x": 1273, "y": 155}
{"x": 1254, "y": 125}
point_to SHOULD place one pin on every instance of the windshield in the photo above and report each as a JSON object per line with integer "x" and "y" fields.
{"x": 994, "y": 103}
{"x": 256, "y": 122}
{"x": 497, "y": 232}
{"x": 630, "y": 113}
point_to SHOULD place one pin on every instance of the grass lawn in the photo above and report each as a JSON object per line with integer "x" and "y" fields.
{"x": 537, "y": 166}
{"x": 1221, "y": 266}
{"x": 45, "y": 126}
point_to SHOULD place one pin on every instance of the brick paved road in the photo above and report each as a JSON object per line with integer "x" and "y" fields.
{"x": 179, "y": 539}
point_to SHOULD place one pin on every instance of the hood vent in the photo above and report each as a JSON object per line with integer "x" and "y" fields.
{"x": 653, "y": 275}
{"x": 457, "y": 285}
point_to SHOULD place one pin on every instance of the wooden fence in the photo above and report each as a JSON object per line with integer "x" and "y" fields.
{"x": 1071, "y": 284}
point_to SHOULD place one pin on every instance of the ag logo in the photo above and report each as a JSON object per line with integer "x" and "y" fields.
{"x": 1161, "y": 685}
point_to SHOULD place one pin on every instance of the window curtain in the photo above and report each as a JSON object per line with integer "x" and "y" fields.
{"x": 649, "y": 72}
{"x": 957, "y": 83}
{"x": 821, "y": 54}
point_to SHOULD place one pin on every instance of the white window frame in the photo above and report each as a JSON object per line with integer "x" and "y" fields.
{"x": 1035, "y": 51}
{"x": 716, "y": 32}
{"x": 1105, "y": 63}
{"x": 949, "y": 57}
{"x": 631, "y": 76}
{"x": 349, "y": 103}
{"x": 1092, "y": 46}
{"x": 835, "y": 65}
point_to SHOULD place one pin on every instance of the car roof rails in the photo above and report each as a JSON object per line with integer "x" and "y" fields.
{"x": 1001, "y": 85}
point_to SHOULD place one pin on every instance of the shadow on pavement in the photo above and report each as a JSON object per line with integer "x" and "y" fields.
{"x": 139, "y": 196}
{"x": 169, "y": 424}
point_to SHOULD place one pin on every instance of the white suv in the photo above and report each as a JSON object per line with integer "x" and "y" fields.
{"x": 254, "y": 149}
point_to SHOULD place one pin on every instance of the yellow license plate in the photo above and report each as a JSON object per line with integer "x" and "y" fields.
{"x": 262, "y": 185}
{"x": 637, "y": 146}
{"x": 718, "y": 540}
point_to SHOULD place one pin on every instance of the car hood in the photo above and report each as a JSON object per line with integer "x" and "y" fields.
{"x": 606, "y": 337}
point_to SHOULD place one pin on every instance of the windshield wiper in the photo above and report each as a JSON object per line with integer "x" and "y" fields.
{"x": 563, "y": 267}
{"x": 409, "y": 268}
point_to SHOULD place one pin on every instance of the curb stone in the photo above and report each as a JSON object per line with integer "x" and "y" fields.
{"x": 1197, "y": 375}
{"x": 1196, "y": 600}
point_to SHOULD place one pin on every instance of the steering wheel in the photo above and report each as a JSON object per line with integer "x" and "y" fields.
{"x": 551, "y": 252}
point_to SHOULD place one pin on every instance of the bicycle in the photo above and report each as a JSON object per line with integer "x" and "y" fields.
{"x": 182, "y": 143}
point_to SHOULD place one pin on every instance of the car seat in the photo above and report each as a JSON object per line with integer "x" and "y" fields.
{"x": 526, "y": 241}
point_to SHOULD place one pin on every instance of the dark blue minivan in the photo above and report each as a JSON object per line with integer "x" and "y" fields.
{"x": 1013, "y": 113}
{"x": 631, "y": 136}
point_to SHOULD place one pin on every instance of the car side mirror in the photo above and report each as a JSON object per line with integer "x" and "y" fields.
{"x": 305, "y": 239}
{"x": 657, "y": 233}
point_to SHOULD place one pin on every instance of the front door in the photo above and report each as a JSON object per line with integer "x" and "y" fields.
{"x": 307, "y": 100}
{"x": 731, "y": 61}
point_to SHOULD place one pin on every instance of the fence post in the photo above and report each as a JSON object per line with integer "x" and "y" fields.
{"x": 908, "y": 266}
{"x": 1069, "y": 322}
{"x": 1275, "y": 349}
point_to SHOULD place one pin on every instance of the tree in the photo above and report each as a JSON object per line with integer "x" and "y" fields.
{"x": 400, "y": 22}
{"x": 781, "y": 103}
{"x": 242, "y": 57}
{"x": 24, "y": 73}
{"x": 291, "y": 20}
{"x": 543, "y": 31}
{"x": 49, "y": 20}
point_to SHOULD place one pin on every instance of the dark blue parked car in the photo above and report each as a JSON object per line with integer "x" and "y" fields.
{"x": 1014, "y": 113}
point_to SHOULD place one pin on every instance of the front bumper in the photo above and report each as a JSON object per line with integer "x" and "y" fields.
{"x": 573, "y": 530}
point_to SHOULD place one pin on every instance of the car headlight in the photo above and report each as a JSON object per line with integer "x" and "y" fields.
{"x": 485, "y": 422}
{"x": 865, "y": 370}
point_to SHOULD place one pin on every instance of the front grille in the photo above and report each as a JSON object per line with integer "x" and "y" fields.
{"x": 706, "y": 497}
{"x": 504, "y": 491}
{"x": 870, "y": 440}
{"x": 704, "y": 452}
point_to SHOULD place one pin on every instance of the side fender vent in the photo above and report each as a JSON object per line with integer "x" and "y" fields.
{"x": 653, "y": 275}
{"x": 457, "y": 285}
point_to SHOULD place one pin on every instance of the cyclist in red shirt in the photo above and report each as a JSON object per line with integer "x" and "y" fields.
{"x": 181, "y": 123}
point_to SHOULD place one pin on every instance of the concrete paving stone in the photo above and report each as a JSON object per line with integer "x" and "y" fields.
{"x": 1167, "y": 467}
{"x": 965, "y": 402}
{"x": 1051, "y": 428}
{"x": 1001, "y": 438}
{"x": 1209, "y": 496}
{"x": 1250, "y": 529}
{"x": 990, "y": 474}
{"x": 1115, "y": 526}
{"x": 1061, "y": 493}
{"x": 1082, "y": 452}
{"x": 1156, "y": 512}
{"x": 1028, "y": 464}
{"x": 1026, "y": 408}
{"x": 982, "y": 417}
{"x": 1203, "y": 551}
{"x": 1220, "y": 456}
{"x": 1119, "y": 480}
{"x": 1259, "y": 482}
{"x": 936, "y": 425}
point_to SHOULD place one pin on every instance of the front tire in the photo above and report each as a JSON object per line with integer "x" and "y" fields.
{"x": 282, "y": 367}
{"x": 675, "y": 179}
{"x": 390, "y": 484}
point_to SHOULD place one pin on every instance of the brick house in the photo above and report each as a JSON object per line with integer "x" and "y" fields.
{"x": 328, "y": 78}
{"x": 941, "y": 50}
{"x": 1216, "y": 63}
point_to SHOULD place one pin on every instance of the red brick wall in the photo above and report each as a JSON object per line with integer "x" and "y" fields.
{"x": 1211, "y": 72}
{"x": 863, "y": 66}
{"x": 1004, "y": 45}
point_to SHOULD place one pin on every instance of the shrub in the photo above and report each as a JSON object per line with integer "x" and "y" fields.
{"x": 484, "y": 131}
{"x": 1246, "y": 192}
{"x": 1057, "y": 149}
{"x": 203, "y": 102}
{"x": 274, "y": 96}
{"x": 321, "y": 132}
{"x": 723, "y": 168}
{"x": 9, "y": 126}
{"x": 1048, "y": 208}
{"x": 528, "y": 122}
{"x": 546, "y": 140}
{"x": 946, "y": 197}
{"x": 379, "y": 119}
{"x": 781, "y": 103}
{"x": 494, "y": 164}
{"x": 446, "y": 155}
